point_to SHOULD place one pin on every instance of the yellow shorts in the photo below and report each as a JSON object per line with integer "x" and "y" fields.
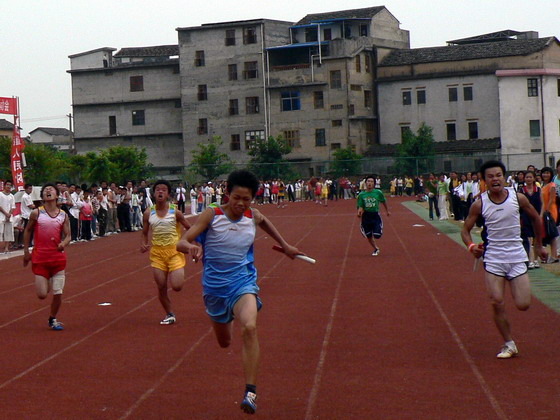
{"x": 167, "y": 258}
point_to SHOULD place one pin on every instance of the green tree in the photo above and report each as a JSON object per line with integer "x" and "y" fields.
{"x": 267, "y": 158}
{"x": 346, "y": 162}
{"x": 415, "y": 155}
{"x": 207, "y": 160}
{"x": 99, "y": 168}
{"x": 129, "y": 163}
{"x": 77, "y": 168}
{"x": 5, "y": 158}
{"x": 44, "y": 164}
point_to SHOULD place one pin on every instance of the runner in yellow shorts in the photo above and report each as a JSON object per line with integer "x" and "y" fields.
{"x": 167, "y": 263}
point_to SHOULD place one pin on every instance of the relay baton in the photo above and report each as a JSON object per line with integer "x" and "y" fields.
{"x": 301, "y": 257}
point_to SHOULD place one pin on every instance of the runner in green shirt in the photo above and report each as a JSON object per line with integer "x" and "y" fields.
{"x": 368, "y": 210}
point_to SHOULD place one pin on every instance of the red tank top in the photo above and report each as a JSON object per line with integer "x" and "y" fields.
{"x": 46, "y": 237}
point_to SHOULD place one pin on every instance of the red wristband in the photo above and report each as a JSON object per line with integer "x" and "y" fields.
{"x": 471, "y": 246}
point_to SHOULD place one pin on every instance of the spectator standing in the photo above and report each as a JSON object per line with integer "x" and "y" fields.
{"x": 7, "y": 207}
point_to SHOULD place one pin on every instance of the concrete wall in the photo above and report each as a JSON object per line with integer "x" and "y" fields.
{"x": 484, "y": 108}
{"x": 92, "y": 60}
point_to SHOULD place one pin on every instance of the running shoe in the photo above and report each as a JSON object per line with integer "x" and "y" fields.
{"x": 531, "y": 265}
{"x": 55, "y": 325}
{"x": 375, "y": 253}
{"x": 507, "y": 352}
{"x": 168, "y": 320}
{"x": 536, "y": 264}
{"x": 249, "y": 404}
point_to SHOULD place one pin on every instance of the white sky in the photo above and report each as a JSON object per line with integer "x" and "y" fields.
{"x": 37, "y": 36}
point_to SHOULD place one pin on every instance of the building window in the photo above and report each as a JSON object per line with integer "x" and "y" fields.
{"x": 232, "y": 71}
{"x": 451, "y": 131}
{"x": 406, "y": 97}
{"x": 177, "y": 103}
{"x": 535, "y": 128}
{"x": 473, "y": 130}
{"x": 336, "y": 123}
{"x": 252, "y": 105}
{"x": 138, "y": 117}
{"x": 136, "y": 83}
{"x": 327, "y": 34}
{"x": 367, "y": 60}
{"x": 250, "y": 70}
{"x": 350, "y": 109}
{"x": 233, "y": 107}
{"x": 336, "y": 79}
{"x": 368, "y": 99}
{"x": 335, "y": 146}
{"x": 447, "y": 166}
{"x": 356, "y": 88}
{"x": 370, "y": 132}
{"x": 250, "y": 35}
{"x": 320, "y": 139}
{"x": 199, "y": 59}
{"x": 252, "y": 136}
{"x": 358, "y": 63}
{"x": 311, "y": 34}
{"x": 202, "y": 93}
{"x": 364, "y": 29}
{"x": 290, "y": 100}
{"x": 337, "y": 106}
{"x": 452, "y": 92}
{"x": 235, "y": 143}
{"x": 230, "y": 40}
{"x": 558, "y": 86}
{"x": 467, "y": 93}
{"x": 202, "y": 126}
{"x": 533, "y": 87}
{"x": 404, "y": 129}
{"x": 112, "y": 125}
{"x": 318, "y": 102}
{"x": 421, "y": 96}
{"x": 292, "y": 138}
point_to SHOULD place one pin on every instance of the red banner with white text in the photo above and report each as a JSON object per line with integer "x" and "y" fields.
{"x": 8, "y": 106}
{"x": 18, "y": 158}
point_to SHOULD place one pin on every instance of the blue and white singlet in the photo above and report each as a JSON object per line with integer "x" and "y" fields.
{"x": 228, "y": 254}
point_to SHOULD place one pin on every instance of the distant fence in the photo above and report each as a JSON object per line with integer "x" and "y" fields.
{"x": 388, "y": 166}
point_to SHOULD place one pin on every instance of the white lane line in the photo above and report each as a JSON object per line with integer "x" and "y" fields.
{"x": 470, "y": 361}
{"x": 326, "y": 340}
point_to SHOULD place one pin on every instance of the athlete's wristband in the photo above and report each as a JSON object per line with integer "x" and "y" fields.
{"x": 471, "y": 246}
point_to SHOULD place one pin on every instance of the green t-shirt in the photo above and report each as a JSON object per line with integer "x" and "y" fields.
{"x": 369, "y": 200}
{"x": 443, "y": 187}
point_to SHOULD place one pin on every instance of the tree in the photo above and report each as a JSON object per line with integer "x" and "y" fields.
{"x": 128, "y": 162}
{"x": 267, "y": 158}
{"x": 44, "y": 164}
{"x": 5, "y": 158}
{"x": 99, "y": 168}
{"x": 207, "y": 160}
{"x": 346, "y": 162}
{"x": 415, "y": 155}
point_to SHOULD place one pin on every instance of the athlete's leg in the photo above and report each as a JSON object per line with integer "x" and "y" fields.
{"x": 223, "y": 333}
{"x": 57, "y": 285}
{"x": 41, "y": 287}
{"x": 245, "y": 311}
{"x": 160, "y": 277}
{"x": 521, "y": 292}
{"x": 177, "y": 279}
{"x": 495, "y": 286}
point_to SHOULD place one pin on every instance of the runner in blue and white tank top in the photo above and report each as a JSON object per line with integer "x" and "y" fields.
{"x": 505, "y": 258}
{"x": 229, "y": 280}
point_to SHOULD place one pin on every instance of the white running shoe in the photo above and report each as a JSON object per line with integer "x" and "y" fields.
{"x": 375, "y": 253}
{"x": 168, "y": 320}
{"x": 507, "y": 352}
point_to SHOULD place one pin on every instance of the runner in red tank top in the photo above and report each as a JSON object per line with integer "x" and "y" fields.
{"x": 51, "y": 230}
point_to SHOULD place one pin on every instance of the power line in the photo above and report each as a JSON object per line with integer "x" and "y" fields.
{"x": 58, "y": 117}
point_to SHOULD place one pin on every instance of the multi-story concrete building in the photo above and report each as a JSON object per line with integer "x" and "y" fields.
{"x": 504, "y": 85}
{"x": 132, "y": 98}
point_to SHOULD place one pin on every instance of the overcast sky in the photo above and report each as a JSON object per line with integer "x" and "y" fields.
{"x": 37, "y": 36}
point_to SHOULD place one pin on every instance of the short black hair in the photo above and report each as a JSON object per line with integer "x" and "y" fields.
{"x": 26, "y": 186}
{"x": 243, "y": 178}
{"x": 548, "y": 169}
{"x": 48, "y": 184}
{"x": 372, "y": 176}
{"x": 162, "y": 182}
{"x": 492, "y": 164}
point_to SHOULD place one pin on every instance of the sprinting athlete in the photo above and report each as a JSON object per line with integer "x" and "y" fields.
{"x": 229, "y": 279}
{"x": 368, "y": 210}
{"x": 51, "y": 233}
{"x": 505, "y": 259}
{"x": 165, "y": 221}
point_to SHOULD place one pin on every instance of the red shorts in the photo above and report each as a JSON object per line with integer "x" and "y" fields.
{"x": 48, "y": 269}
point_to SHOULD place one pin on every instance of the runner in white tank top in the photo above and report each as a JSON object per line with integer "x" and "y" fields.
{"x": 504, "y": 256}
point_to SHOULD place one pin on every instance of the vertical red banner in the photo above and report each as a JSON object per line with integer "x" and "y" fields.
{"x": 17, "y": 156}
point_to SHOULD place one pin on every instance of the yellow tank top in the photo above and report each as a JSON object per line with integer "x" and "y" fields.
{"x": 165, "y": 230}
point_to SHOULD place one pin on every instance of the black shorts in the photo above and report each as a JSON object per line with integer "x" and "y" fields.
{"x": 372, "y": 225}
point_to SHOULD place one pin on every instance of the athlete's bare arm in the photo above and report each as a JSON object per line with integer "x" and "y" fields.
{"x": 474, "y": 213}
{"x": 528, "y": 208}
{"x": 27, "y": 236}
{"x": 185, "y": 245}
{"x": 66, "y": 233}
{"x": 268, "y": 227}
{"x": 145, "y": 246}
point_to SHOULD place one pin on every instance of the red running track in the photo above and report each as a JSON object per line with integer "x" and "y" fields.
{"x": 406, "y": 335}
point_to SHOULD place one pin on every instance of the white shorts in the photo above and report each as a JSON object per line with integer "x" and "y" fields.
{"x": 507, "y": 270}
{"x": 6, "y": 232}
